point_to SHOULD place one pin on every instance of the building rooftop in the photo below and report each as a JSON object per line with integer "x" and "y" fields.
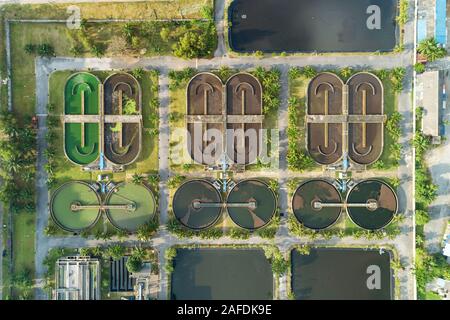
{"x": 77, "y": 278}
{"x": 428, "y": 83}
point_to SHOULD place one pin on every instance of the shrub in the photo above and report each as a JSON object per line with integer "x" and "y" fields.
{"x": 294, "y": 73}
{"x": 419, "y": 67}
{"x": 45, "y": 50}
{"x": 30, "y": 48}
{"x": 309, "y": 72}
{"x": 134, "y": 263}
{"x": 146, "y": 230}
{"x": 194, "y": 45}
{"x": 138, "y": 73}
{"x": 115, "y": 251}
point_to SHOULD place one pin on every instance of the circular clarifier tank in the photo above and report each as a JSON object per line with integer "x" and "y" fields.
{"x": 69, "y": 206}
{"x": 130, "y": 206}
{"x": 306, "y": 204}
{"x": 197, "y": 204}
{"x": 381, "y": 204}
{"x": 251, "y": 204}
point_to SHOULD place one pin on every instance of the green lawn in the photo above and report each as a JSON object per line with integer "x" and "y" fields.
{"x": 297, "y": 89}
{"x": 148, "y": 10}
{"x": 390, "y": 106}
{"x": 23, "y": 248}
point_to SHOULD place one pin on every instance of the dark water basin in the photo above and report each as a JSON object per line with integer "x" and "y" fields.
{"x": 308, "y": 26}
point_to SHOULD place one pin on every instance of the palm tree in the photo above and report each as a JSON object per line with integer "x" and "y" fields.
{"x": 431, "y": 49}
{"x": 309, "y": 72}
{"x": 116, "y": 251}
{"x": 137, "y": 178}
{"x": 346, "y": 72}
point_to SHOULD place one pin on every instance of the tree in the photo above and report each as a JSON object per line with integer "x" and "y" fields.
{"x": 279, "y": 264}
{"x": 115, "y": 251}
{"x": 431, "y": 49}
{"x": 134, "y": 264}
{"x": 294, "y": 73}
{"x": 309, "y": 72}
{"x": 346, "y": 72}
{"x": 128, "y": 31}
{"x": 50, "y": 230}
{"x": 191, "y": 45}
{"x": 207, "y": 12}
{"x": 130, "y": 107}
{"x": 85, "y": 252}
{"x": 30, "y": 48}
{"x": 165, "y": 34}
{"x": 45, "y": 50}
{"x": 122, "y": 234}
{"x": 402, "y": 17}
{"x": 76, "y": 50}
{"x": 138, "y": 73}
{"x": 419, "y": 67}
{"x": 146, "y": 230}
{"x": 382, "y": 74}
{"x": 22, "y": 279}
{"x": 98, "y": 50}
{"x": 138, "y": 178}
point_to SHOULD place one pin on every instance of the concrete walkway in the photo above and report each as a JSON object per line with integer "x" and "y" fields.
{"x": 438, "y": 162}
{"x": 219, "y": 11}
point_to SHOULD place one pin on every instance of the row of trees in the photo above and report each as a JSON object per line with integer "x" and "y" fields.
{"x": 297, "y": 157}
{"x": 43, "y": 50}
{"x": 268, "y": 232}
{"x": 17, "y": 163}
{"x": 297, "y": 229}
{"x": 270, "y": 81}
{"x": 428, "y": 266}
{"x": 53, "y": 124}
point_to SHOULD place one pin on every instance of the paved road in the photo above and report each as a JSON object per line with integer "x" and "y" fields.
{"x": 438, "y": 162}
{"x": 219, "y": 11}
{"x": 41, "y": 241}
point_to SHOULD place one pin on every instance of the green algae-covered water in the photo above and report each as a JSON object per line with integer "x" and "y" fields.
{"x": 65, "y": 196}
{"x": 137, "y": 195}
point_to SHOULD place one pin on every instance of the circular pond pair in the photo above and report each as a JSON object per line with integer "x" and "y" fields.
{"x": 197, "y": 204}
{"x": 379, "y": 204}
{"x": 76, "y": 206}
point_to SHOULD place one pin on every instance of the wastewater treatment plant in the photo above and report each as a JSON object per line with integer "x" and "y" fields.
{"x": 224, "y": 150}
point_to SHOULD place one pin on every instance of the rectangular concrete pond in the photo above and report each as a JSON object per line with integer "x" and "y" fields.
{"x": 308, "y": 26}
{"x": 342, "y": 274}
{"x": 215, "y": 273}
